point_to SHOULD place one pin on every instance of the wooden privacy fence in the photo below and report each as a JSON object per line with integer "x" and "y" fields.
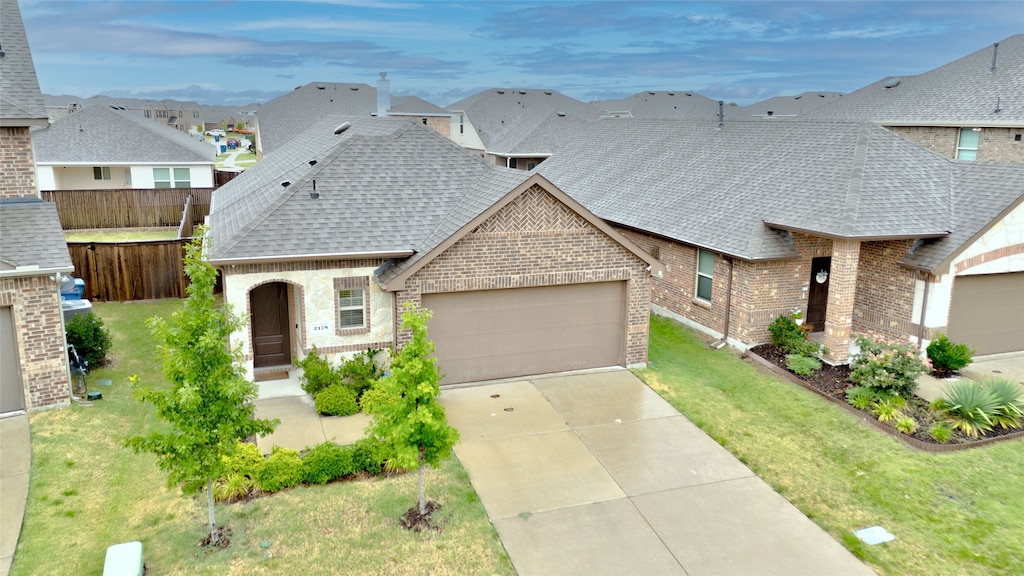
{"x": 128, "y": 208}
{"x": 124, "y": 271}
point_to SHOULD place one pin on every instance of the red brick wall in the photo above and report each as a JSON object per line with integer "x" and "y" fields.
{"x": 884, "y": 305}
{"x": 842, "y": 288}
{"x": 994, "y": 144}
{"x": 17, "y": 166}
{"x": 35, "y": 304}
{"x": 537, "y": 241}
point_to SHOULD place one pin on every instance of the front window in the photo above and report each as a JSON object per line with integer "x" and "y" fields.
{"x": 350, "y": 308}
{"x": 967, "y": 146}
{"x": 101, "y": 173}
{"x": 172, "y": 178}
{"x": 705, "y": 273}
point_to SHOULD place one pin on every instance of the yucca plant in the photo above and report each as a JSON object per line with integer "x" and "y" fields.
{"x": 969, "y": 407}
{"x": 1008, "y": 394}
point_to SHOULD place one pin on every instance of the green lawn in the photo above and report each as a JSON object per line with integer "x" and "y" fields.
{"x": 120, "y": 234}
{"x": 952, "y": 513}
{"x": 87, "y": 492}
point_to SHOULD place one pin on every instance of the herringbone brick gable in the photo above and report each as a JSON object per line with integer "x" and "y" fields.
{"x": 532, "y": 211}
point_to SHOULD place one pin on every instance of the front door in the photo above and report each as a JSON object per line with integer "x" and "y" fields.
{"x": 270, "y": 342}
{"x": 817, "y": 297}
{"x": 12, "y": 396}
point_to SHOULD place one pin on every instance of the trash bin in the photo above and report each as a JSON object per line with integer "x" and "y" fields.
{"x": 223, "y": 148}
{"x": 216, "y": 138}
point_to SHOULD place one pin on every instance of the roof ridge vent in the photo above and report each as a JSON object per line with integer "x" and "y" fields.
{"x": 892, "y": 82}
{"x": 342, "y": 127}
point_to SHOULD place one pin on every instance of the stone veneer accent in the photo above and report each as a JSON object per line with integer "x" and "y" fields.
{"x": 17, "y": 165}
{"x": 994, "y": 144}
{"x": 537, "y": 241}
{"x": 39, "y": 331}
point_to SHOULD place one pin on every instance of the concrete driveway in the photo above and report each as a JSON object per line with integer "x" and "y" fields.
{"x": 594, "y": 473}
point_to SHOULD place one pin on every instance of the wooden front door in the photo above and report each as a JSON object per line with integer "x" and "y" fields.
{"x": 270, "y": 342}
{"x": 817, "y": 297}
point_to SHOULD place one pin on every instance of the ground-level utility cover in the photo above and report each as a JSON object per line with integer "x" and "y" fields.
{"x": 874, "y": 535}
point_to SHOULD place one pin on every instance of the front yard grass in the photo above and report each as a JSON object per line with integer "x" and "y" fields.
{"x": 952, "y": 513}
{"x": 88, "y": 492}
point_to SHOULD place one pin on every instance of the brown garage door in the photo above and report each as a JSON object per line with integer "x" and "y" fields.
{"x": 492, "y": 334}
{"x": 987, "y": 312}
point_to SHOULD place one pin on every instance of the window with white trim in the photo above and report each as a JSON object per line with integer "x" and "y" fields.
{"x": 352, "y": 304}
{"x": 172, "y": 178}
{"x": 101, "y": 172}
{"x": 705, "y": 274}
{"x": 967, "y": 144}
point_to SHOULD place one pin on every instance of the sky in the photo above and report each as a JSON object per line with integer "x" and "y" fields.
{"x": 220, "y": 52}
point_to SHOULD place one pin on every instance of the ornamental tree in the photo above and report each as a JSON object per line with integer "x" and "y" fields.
{"x": 406, "y": 416}
{"x": 209, "y": 404}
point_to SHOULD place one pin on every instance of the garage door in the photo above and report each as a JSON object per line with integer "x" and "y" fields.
{"x": 987, "y": 312}
{"x": 492, "y": 334}
{"x": 11, "y": 395}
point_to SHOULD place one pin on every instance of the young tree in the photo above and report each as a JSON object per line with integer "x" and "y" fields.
{"x": 406, "y": 415}
{"x": 209, "y": 403}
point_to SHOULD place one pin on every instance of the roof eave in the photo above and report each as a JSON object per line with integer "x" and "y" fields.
{"x": 385, "y": 254}
{"x": 24, "y": 122}
{"x": 24, "y": 271}
{"x": 859, "y": 238}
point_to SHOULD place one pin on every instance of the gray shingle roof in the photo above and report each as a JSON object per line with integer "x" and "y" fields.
{"x": 385, "y": 185}
{"x": 656, "y": 105}
{"x": 727, "y": 189}
{"x": 511, "y": 121}
{"x": 101, "y": 136}
{"x": 963, "y": 92}
{"x": 30, "y": 234}
{"x": 286, "y": 116}
{"x": 783, "y": 106}
{"x": 21, "y": 102}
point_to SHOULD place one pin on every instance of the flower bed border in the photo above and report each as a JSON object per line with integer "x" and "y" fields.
{"x": 909, "y": 441}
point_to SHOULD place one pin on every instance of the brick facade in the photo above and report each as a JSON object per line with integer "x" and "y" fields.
{"x": 994, "y": 144}
{"x": 17, "y": 165}
{"x": 39, "y": 332}
{"x": 884, "y": 305}
{"x": 842, "y": 294}
{"x": 537, "y": 241}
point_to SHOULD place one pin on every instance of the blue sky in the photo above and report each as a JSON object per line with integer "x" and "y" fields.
{"x": 226, "y": 52}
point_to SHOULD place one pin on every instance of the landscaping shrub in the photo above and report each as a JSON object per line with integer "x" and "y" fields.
{"x": 325, "y": 462}
{"x": 941, "y": 432}
{"x": 336, "y": 400}
{"x": 802, "y": 365}
{"x": 368, "y": 456}
{"x": 784, "y": 332}
{"x": 89, "y": 337}
{"x": 861, "y": 397}
{"x": 888, "y": 409}
{"x": 1009, "y": 405}
{"x": 906, "y": 425}
{"x": 317, "y": 373}
{"x": 243, "y": 469}
{"x": 283, "y": 469}
{"x": 887, "y": 366}
{"x": 946, "y": 355}
{"x": 361, "y": 371}
{"x": 968, "y": 406}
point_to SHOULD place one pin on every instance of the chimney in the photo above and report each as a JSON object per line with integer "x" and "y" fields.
{"x": 383, "y": 95}
{"x": 995, "y": 52}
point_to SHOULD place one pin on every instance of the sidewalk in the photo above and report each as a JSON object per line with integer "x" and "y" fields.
{"x": 15, "y": 462}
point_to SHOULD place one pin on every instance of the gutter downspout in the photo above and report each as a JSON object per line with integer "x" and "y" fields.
{"x": 728, "y": 303}
{"x": 924, "y": 310}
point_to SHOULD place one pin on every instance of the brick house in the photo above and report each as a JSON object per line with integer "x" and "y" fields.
{"x": 862, "y": 230}
{"x": 323, "y": 242}
{"x": 970, "y": 109}
{"x": 33, "y": 357}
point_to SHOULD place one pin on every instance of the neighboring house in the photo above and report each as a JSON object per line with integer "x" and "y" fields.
{"x": 33, "y": 355}
{"x": 231, "y": 117}
{"x": 104, "y": 149}
{"x": 660, "y": 105}
{"x": 287, "y": 116}
{"x": 518, "y": 128}
{"x": 970, "y": 109}
{"x": 324, "y": 241}
{"x": 58, "y": 107}
{"x": 861, "y": 229}
{"x": 182, "y": 116}
{"x": 784, "y": 106}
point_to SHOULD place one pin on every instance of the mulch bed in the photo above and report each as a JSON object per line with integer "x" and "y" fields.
{"x": 413, "y": 520}
{"x": 224, "y": 534}
{"x": 833, "y": 381}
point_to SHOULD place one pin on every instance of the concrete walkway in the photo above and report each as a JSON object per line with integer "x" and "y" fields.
{"x": 15, "y": 462}
{"x": 1010, "y": 365}
{"x": 594, "y": 473}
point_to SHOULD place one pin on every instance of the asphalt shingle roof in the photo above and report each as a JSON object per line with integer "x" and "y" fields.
{"x": 515, "y": 121}
{"x": 655, "y": 105}
{"x": 30, "y": 233}
{"x": 964, "y": 92}
{"x": 102, "y": 136}
{"x": 727, "y": 190}
{"x": 783, "y": 106}
{"x": 20, "y": 98}
{"x": 384, "y": 185}
{"x": 288, "y": 115}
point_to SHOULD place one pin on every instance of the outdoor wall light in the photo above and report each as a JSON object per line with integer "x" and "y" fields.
{"x": 821, "y": 276}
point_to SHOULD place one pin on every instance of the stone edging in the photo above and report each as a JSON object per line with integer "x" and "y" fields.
{"x": 908, "y": 440}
